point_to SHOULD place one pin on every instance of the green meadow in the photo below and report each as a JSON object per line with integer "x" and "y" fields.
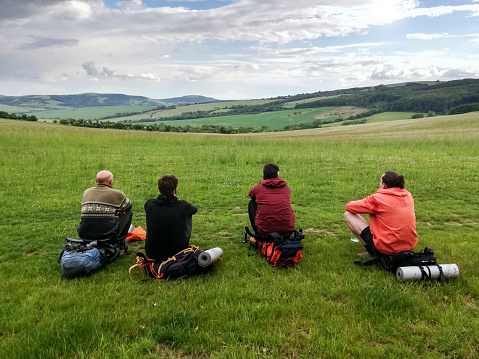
{"x": 277, "y": 120}
{"x": 221, "y": 106}
{"x": 325, "y": 307}
{"x": 89, "y": 113}
{"x": 274, "y": 120}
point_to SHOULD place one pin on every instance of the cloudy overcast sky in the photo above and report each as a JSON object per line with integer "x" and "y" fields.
{"x": 232, "y": 49}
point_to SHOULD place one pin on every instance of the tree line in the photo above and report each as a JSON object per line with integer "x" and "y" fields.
{"x": 14, "y": 116}
{"x": 159, "y": 127}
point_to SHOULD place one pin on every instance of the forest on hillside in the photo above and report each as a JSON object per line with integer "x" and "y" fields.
{"x": 440, "y": 97}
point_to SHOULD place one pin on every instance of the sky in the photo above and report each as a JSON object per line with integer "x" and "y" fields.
{"x": 232, "y": 49}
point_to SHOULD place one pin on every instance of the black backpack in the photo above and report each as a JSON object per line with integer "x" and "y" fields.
{"x": 182, "y": 265}
{"x": 421, "y": 259}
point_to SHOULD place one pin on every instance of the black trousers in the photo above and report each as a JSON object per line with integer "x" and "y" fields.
{"x": 252, "y": 208}
{"x": 124, "y": 222}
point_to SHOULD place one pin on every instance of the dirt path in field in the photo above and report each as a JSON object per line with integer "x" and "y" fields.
{"x": 342, "y": 112}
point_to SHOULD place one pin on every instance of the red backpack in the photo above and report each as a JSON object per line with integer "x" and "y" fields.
{"x": 280, "y": 251}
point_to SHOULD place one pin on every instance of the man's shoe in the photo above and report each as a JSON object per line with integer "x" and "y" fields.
{"x": 364, "y": 255}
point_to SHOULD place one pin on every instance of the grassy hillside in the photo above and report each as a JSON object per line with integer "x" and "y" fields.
{"x": 325, "y": 307}
{"x": 279, "y": 119}
{"x": 273, "y": 120}
{"x": 88, "y": 113}
{"x": 60, "y": 102}
{"x": 222, "y": 106}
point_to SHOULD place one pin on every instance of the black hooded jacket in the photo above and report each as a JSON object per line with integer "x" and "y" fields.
{"x": 168, "y": 226}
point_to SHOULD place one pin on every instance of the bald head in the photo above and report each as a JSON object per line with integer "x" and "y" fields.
{"x": 104, "y": 177}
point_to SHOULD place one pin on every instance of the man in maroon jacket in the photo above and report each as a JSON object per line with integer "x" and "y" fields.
{"x": 270, "y": 206}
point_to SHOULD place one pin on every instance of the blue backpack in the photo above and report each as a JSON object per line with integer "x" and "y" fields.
{"x": 83, "y": 257}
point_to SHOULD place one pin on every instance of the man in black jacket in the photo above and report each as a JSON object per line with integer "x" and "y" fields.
{"x": 168, "y": 221}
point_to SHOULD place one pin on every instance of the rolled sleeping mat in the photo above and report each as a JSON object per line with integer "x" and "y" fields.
{"x": 210, "y": 256}
{"x": 414, "y": 272}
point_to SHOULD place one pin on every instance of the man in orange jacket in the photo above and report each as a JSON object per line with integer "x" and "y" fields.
{"x": 391, "y": 213}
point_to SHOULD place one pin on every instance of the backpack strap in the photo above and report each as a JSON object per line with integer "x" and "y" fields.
{"x": 428, "y": 276}
{"x": 441, "y": 275}
{"x": 178, "y": 257}
{"x": 371, "y": 262}
{"x": 140, "y": 263}
{"x": 424, "y": 275}
{"x": 247, "y": 233}
{"x": 256, "y": 244}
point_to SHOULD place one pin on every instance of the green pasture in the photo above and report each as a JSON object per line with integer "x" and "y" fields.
{"x": 178, "y": 110}
{"x": 89, "y": 113}
{"x": 308, "y": 100}
{"x": 389, "y": 116}
{"x": 277, "y": 120}
{"x": 16, "y": 109}
{"x": 325, "y": 307}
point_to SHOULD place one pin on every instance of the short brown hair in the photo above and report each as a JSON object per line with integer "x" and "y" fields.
{"x": 392, "y": 179}
{"x": 167, "y": 185}
{"x": 270, "y": 170}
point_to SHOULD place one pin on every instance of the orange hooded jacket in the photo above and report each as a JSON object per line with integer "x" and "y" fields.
{"x": 392, "y": 219}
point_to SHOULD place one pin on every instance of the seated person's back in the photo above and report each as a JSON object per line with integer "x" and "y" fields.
{"x": 391, "y": 213}
{"x": 270, "y": 205}
{"x": 105, "y": 212}
{"x": 168, "y": 221}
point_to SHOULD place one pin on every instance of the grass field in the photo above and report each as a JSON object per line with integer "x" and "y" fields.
{"x": 277, "y": 120}
{"x": 15, "y": 109}
{"x": 325, "y": 307}
{"x": 178, "y": 110}
{"x": 274, "y": 120}
{"x": 88, "y": 113}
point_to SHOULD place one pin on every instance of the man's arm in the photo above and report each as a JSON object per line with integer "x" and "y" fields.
{"x": 362, "y": 206}
{"x": 253, "y": 191}
{"x": 193, "y": 209}
{"x": 188, "y": 207}
{"x": 125, "y": 205}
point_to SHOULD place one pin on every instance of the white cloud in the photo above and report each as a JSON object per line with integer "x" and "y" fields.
{"x": 251, "y": 45}
{"x": 42, "y": 42}
{"x": 421, "y": 36}
{"x": 130, "y": 5}
{"x": 92, "y": 71}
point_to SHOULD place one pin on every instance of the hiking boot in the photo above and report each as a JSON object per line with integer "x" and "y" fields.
{"x": 124, "y": 249}
{"x": 364, "y": 255}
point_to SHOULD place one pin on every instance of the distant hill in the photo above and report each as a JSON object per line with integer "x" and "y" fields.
{"x": 55, "y": 102}
{"x": 188, "y": 100}
{"x": 439, "y": 97}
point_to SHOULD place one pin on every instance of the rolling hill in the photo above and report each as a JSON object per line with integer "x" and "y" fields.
{"x": 56, "y": 102}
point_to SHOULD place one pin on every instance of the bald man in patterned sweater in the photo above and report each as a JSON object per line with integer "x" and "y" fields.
{"x": 105, "y": 212}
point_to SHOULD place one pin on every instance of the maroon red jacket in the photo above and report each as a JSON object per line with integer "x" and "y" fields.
{"x": 274, "y": 213}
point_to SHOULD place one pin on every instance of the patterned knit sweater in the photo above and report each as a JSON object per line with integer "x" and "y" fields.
{"x": 104, "y": 201}
{"x": 101, "y": 206}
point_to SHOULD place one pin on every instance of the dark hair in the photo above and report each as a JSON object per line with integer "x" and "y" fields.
{"x": 167, "y": 185}
{"x": 270, "y": 170}
{"x": 392, "y": 179}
